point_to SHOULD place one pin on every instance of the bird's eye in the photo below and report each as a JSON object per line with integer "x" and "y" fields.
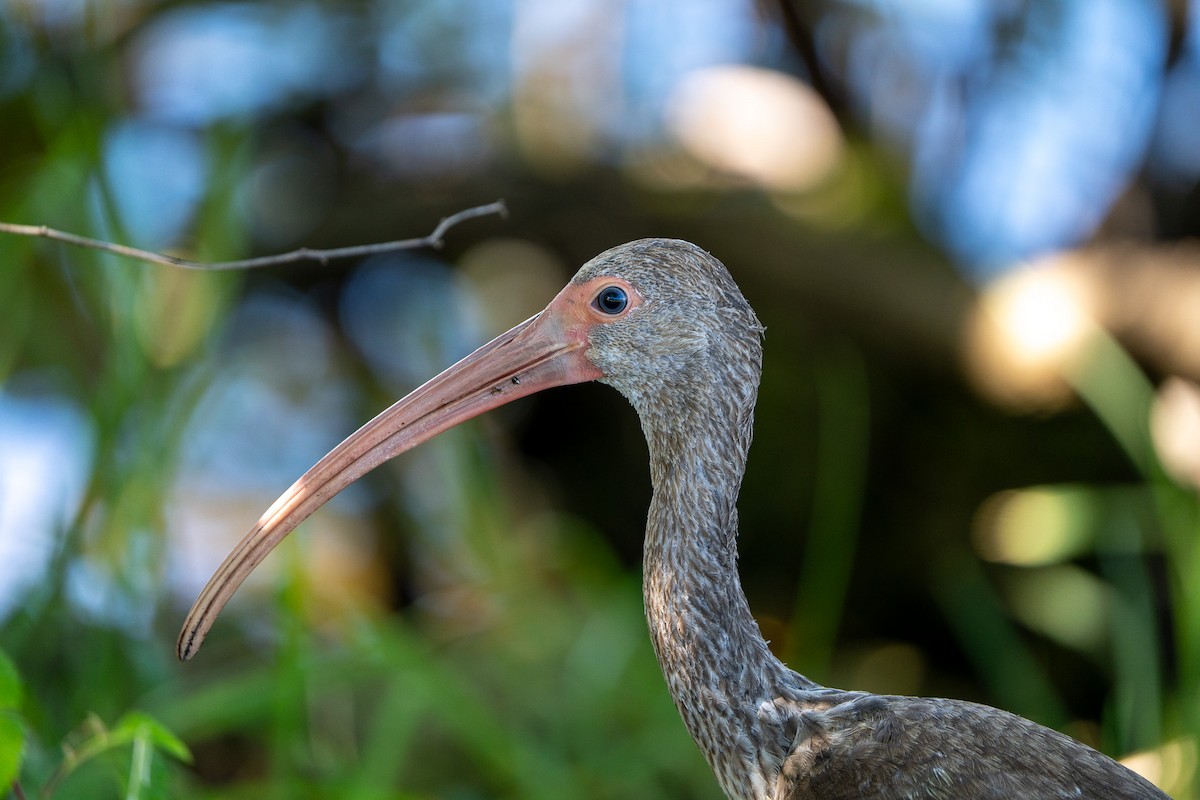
{"x": 612, "y": 300}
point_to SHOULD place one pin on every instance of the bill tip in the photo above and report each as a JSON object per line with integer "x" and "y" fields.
{"x": 186, "y": 648}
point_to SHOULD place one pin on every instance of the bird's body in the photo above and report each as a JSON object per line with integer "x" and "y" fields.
{"x": 663, "y": 322}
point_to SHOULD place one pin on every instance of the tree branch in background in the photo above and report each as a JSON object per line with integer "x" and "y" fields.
{"x": 433, "y": 240}
{"x": 800, "y": 34}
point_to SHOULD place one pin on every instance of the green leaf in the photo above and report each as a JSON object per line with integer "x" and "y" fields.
{"x": 10, "y": 683}
{"x": 137, "y": 724}
{"x": 12, "y": 747}
{"x": 139, "y": 766}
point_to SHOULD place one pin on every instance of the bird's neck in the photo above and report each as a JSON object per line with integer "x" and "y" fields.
{"x": 716, "y": 663}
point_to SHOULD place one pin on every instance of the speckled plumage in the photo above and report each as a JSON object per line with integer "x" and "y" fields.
{"x": 689, "y": 360}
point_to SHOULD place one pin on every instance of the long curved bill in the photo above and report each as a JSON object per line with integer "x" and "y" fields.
{"x": 546, "y": 350}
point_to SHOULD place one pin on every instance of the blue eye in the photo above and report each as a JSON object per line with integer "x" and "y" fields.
{"x": 612, "y": 300}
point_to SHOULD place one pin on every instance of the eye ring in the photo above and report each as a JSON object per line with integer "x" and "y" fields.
{"x": 612, "y": 300}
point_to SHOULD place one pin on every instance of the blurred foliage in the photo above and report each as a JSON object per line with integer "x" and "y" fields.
{"x": 468, "y": 623}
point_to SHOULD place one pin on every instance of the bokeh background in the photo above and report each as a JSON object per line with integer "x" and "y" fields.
{"x": 964, "y": 223}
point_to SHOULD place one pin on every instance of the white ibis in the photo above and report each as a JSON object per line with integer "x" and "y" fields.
{"x": 663, "y": 322}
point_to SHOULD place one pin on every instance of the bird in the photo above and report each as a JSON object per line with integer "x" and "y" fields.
{"x": 663, "y": 322}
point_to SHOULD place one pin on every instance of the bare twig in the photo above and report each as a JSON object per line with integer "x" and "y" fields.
{"x": 433, "y": 240}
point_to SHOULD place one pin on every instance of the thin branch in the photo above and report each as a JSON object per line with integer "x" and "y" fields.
{"x": 433, "y": 240}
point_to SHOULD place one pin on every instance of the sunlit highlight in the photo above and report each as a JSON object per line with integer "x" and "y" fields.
{"x": 1030, "y": 329}
{"x": 755, "y": 124}
{"x": 1042, "y": 318}
{"x": 1171, "y": 766}
{"x": 1175, "y": 429}
{"x": 1033, "y": 527}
